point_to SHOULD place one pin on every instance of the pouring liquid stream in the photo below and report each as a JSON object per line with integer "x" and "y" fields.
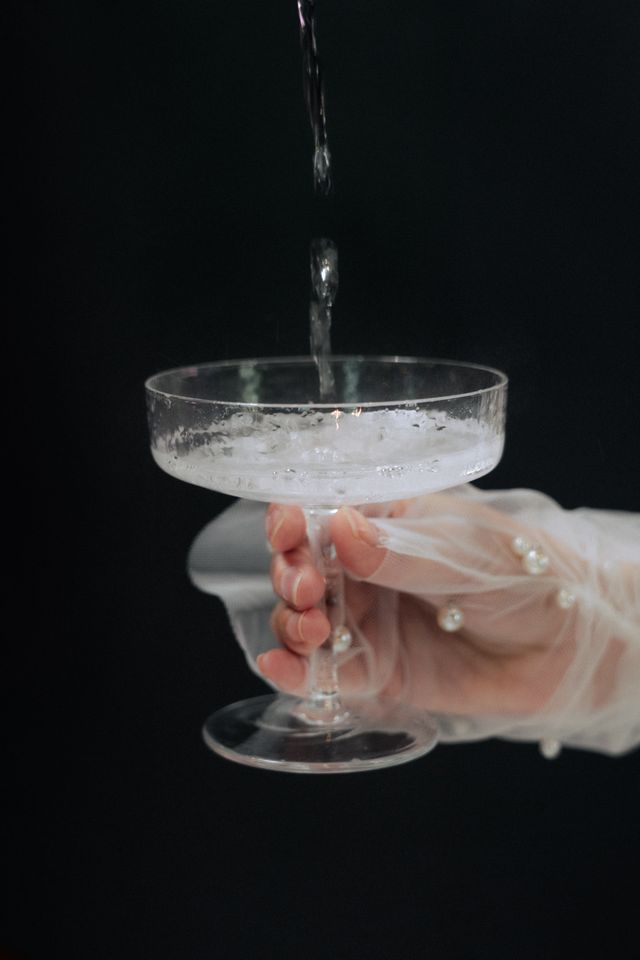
{"x": 323, "y": 252}
{"x": 314, "y": 95}
{"x": 324, "y": 288}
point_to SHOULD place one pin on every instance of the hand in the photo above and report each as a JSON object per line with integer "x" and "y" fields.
{"x": 516, "y": 642}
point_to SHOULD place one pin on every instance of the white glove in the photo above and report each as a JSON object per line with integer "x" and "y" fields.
{"x": 551, "y": 656}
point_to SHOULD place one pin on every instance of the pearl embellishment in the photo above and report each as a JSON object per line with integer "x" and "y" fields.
{"x": 550, "y": 748}
{"x": 534, "y": 560}
{"x": 450, "y": 618}
{"x": 341, "y": 639}
{"x": 565, "y": 598}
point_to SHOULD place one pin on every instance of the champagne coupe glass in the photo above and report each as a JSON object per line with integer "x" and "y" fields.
{"x": 392, "y": 427}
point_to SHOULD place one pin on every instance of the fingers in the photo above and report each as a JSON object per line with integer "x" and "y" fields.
{"x": 300, "y": 632}
{"x": 297, "y": 623}
{"x": 357, "y": 543}
{"x": 295, "y": 580}
{"x": 286, "y": 528}
{"x": 286, "y": 670}
{"x": 354, "y": 536}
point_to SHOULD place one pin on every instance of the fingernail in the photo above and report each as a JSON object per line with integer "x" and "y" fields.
{"x": 274, "y": 520}
{"x": 361, "y": 528}
{"x": 301, "y": 626}
{"x": 290, "y": 584}
{"x": 260, "y": 662}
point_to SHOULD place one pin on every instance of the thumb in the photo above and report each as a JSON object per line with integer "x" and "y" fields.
{"x": 356, "y": 541}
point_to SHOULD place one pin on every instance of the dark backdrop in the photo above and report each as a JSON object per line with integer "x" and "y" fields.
{"x": 486, "y": 168}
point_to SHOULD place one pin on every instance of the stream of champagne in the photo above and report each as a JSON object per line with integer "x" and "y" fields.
{"x": 323, "y": 252}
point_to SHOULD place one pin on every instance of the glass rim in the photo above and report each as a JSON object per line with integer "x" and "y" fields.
{"x": 501, "y": 382}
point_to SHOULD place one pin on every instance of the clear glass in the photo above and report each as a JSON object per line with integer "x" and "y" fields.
{"x": 394, "y": 427}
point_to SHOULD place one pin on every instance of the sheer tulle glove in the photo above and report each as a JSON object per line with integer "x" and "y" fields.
{"x": 499, "y": 612}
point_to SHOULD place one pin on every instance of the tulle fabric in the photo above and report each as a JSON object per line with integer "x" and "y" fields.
{"x": 572, "y": 675}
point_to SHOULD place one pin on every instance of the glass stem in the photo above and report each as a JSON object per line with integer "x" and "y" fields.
{"x": 323, "y": 705}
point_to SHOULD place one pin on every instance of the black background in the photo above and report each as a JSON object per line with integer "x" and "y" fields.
{"x": 486, "y": 203}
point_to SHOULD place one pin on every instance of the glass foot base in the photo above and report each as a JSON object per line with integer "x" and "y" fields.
{"x": 266, "y": 732}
